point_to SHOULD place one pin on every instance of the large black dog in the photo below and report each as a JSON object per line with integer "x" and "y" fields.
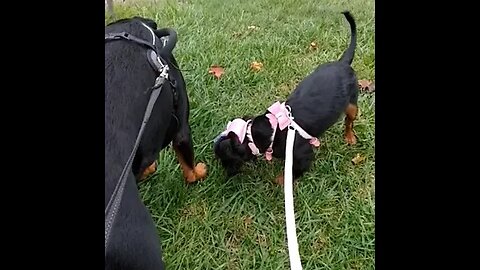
{"x": 133, "y": 241}
{"x": 316, "y": 104}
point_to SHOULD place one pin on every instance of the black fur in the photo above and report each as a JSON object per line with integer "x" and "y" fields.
{"x": 317, "y": 103}
{"x": 134, "y": 243}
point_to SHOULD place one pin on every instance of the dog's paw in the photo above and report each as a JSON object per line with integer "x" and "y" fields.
{"x": 279, "y": 180}
{"x": 350, "y": 138}
{"x": 149, "y": 170}
{"x": 315, "y": 142}
{"x": 200, "y": 171}
{"x": 190, "y": 177}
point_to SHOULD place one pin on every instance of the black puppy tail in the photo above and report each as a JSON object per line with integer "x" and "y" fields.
{"x": 350, "y": 52}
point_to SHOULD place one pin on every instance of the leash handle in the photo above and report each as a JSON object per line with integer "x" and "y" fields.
{"x": 171, "y": 41}
{"x": 293, "y": 253}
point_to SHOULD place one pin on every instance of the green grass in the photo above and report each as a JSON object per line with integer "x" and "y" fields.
{"x": 240, "y": 223}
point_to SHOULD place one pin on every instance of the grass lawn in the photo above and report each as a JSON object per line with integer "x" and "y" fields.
{"x": 240, "y": 223}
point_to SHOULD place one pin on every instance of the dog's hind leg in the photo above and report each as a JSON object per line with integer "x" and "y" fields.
{"x": 149, "y": 170}
{"x": 350, "y": 116}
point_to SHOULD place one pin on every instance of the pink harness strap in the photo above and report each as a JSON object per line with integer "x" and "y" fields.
{"x": 242, "y": 129}
{"x": 279, "y": 116}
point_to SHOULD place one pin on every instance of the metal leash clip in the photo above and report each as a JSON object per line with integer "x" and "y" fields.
{"x": 290, "y": 116}
{"x": 162, "y": 77}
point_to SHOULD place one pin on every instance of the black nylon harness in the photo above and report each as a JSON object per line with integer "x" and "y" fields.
{"x": 162, "y": 68}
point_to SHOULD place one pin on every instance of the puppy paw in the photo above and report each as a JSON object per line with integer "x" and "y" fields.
{"x": 279, "y": 180}
{"x": 350, "y": 138}
{"x": 315, "y": 142}
{"x": 189, "y": 176}
{"x": 149, "y": 170}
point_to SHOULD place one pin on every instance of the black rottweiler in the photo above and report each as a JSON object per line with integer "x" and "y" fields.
{"x": 129, "y": 77}
{"x": 316, "y": 104}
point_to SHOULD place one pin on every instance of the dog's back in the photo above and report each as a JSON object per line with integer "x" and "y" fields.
{"x": 321, "y": 98}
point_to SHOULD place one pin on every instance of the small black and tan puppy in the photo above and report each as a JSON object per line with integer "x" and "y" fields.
{"x": 316, "y": 104}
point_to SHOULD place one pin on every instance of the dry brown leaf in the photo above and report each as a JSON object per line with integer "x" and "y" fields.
{"x": 248, "y": 220}
{"x": 256, "y": 66}
{"x": 313, "y": 46}
{"x": 366, "y": 85}
{"x": 371, "y": 88}
{"x": 358, "y": 159}
{"x": 216, "y": 70}
{"x": 249, "y": 30}
{"x": 261, "y": 239}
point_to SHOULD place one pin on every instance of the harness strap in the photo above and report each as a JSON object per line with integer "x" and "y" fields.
{"x": 251, "y": 143}
{"x": 153, "y": 54}
{"x": 127, "y": 36}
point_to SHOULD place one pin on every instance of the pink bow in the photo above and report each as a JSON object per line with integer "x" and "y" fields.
{"x": 237, "y": 126}
{"x": 279, "y": 115}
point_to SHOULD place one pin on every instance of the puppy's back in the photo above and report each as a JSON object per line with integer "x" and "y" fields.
{"x": 320, "y": 99}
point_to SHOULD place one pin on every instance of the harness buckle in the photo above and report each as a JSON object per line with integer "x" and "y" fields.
{"x": 162, "y": 77}
{"x": 289, "y": 109}
{"x": 164, "y": 71}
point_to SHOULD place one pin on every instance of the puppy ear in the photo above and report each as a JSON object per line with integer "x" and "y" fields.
{"x": 237, "y": 147}
{"x": 232, "y": 136}
{"x": 230, "y": 152}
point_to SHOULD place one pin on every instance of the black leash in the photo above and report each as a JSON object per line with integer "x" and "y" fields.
{"x": 116, "y": 198}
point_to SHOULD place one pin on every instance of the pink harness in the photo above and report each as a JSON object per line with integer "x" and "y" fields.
{"x": 279, "y": 115}
{"x": 242, "y": 129}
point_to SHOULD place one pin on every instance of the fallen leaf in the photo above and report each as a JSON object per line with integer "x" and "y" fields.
{"x": 261, "y": 239}
{"x": 256, "y": 66}
{"x": 217, "y": 71}
{"x": 358, "y": 159}
{"x": 367, "y": 85}
{"x": 364, "y": 83}
{"x": 248, "y": 220}
{"x": 313, "y": 46}
{"x": 371, "y": 88}
{"x": 249, "y": 30}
